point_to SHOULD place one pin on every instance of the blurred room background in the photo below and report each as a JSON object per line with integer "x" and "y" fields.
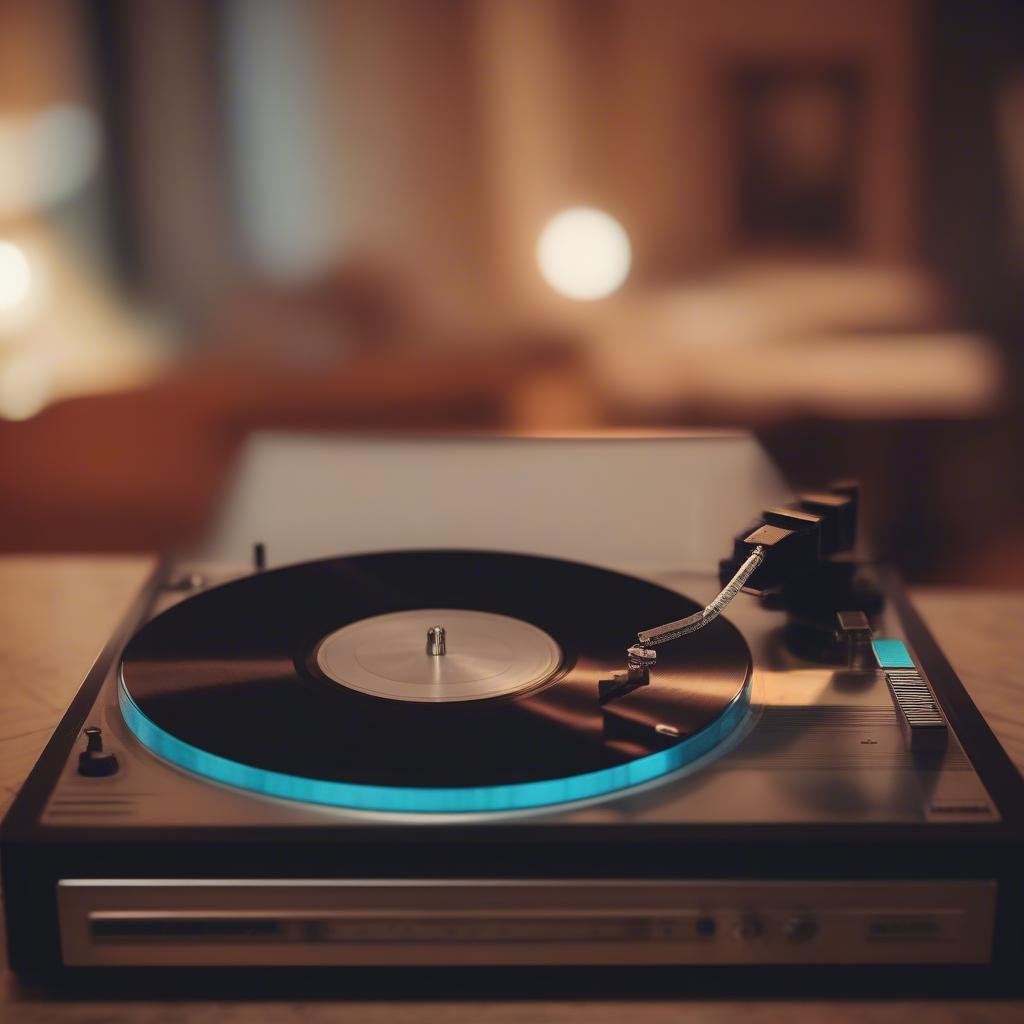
{"x": 800, "y": 217}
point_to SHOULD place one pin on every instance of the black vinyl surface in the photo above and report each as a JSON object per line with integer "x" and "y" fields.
{"x": 229, "y": 672}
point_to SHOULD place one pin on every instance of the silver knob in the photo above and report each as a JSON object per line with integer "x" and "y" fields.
{"x": 436, "y": 641}
{"x": 748, "y": 928}
{"x": 800, "y": 928}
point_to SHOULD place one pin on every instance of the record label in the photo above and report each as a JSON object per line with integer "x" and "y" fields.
{"x": 486, "y": 655}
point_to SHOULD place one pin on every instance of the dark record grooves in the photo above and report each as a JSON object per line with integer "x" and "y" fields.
{"x": 230, "y": 675}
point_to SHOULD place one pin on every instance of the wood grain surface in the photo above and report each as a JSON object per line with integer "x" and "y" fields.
{"x": 57, "y": 611}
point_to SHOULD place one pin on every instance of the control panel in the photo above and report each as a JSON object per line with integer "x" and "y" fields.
{"x": 363, "y": 922}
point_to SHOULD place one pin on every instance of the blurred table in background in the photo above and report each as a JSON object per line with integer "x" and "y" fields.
{"x": 143, "y": 469}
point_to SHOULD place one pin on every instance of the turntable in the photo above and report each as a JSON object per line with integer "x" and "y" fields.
{"x": 496, "y": 702}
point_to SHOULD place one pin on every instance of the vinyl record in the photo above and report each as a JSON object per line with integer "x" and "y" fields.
{"x": 314, "y": 682}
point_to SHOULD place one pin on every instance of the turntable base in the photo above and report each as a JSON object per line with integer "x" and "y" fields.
{"x": 81, "y": 600}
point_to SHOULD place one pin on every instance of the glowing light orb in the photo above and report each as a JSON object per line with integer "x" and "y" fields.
{"x": 584, "y": 253}
{"x": 15, "y": 277}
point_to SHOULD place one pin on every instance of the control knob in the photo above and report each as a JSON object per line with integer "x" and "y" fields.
{"x": 799, "y": 928}
{"x": 748, "y": 928}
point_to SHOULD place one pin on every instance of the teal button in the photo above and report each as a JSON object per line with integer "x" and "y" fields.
{"x": 892, "y": 654}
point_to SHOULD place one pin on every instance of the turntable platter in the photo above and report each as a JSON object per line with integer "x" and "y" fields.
{"x": 429, "y": 681}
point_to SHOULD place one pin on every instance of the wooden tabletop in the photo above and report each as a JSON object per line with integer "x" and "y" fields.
{"x": 55, "y": 614}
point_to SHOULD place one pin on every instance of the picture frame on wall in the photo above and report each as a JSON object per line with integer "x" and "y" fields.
{"x": 798, "y": 139}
